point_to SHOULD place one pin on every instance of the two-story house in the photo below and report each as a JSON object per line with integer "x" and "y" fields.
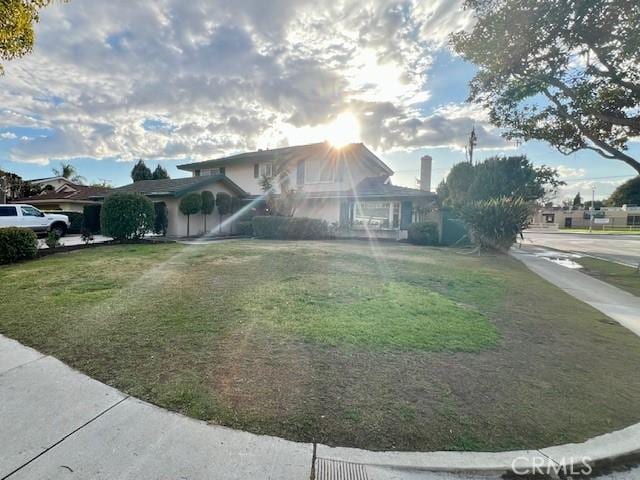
{"x": 348, "y": 186}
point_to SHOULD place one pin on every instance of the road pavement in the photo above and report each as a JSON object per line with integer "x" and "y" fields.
{"x": 618, "y": 248}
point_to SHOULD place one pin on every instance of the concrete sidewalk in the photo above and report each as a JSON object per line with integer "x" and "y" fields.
{"x": 57, "y": 423}
{"x": 621, "y": 306}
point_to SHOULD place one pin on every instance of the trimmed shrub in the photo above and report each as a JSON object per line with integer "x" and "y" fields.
{"x": 91, "y": 218}
{"x": 190, "y": 204}
{"x": 423, "y": 233}
{"x": 495, "y": 223}
{"x": 127, "y": 216}
{"x": 17, "y": 244}
{"x": 161, "y": 221}
{"x": 244, "y": 228}
{"x": 290, "y": 228}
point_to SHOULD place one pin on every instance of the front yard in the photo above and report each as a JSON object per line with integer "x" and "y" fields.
{"x": 345, "y": 343}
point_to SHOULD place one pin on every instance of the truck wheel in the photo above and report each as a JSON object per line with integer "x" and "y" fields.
{"x": 59, "y": 229}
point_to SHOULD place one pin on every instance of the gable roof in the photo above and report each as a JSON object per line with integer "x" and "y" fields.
{"x": 178, "y": 186}
{"x": 80, "y": 193}
{"x": 294, "y": 155}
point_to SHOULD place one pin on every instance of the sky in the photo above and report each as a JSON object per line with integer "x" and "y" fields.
{"x": 172, "y": 82}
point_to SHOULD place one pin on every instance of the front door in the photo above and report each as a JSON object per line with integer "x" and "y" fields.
{"x": 567, "y": 222}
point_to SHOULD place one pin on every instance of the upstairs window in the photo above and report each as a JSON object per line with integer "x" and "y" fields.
{"x": 266, "y": 170}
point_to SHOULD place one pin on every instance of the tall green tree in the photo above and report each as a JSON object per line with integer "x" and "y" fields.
{"x": 160, "y": 173}
{"x": 565, "y": 72}
{"x": 69, "y": 172}
{"x": 17, "y": 19}
{"x": 208, "y": 204}
{"x": 190, "y": 204}
{"x": 626, "y": 194}
{"x": 141, "y": 172}
{"x": 495, "y": 177}
{"x": 577, "y": 200}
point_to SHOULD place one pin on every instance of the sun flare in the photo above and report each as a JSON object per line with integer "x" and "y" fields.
{"x": 343, "y": 130}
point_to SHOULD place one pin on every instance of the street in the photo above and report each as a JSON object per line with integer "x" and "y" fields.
{"x": 618, "y": 248}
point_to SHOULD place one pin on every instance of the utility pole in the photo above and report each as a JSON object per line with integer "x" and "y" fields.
{"x": 473, "y": 141}
{"x": 593, "y": 202}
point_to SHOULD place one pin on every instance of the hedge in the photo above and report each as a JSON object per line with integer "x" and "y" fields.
{"x": 91, "y": 218}
{"x": 423, "y": 233}
{"x": 17, "y": 244}
{"x": 289, "y": 228}
{"x": 244, "y": 228}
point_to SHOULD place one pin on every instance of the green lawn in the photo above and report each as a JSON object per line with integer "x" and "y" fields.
{"x": 621, "y": 276}
{"x": 387, "y": 346}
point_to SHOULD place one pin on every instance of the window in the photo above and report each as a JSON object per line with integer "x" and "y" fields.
{"x": 377, "y": 215}
{"x": 8, "y": 212}
{"x": 320, "y": 171}
{"x": 633, "y": 220}
{"x": 31, "y": 212}
{"x": 196, "y": 173}
{"x": 266, "y": 170}
{"x": 549, "y": 217}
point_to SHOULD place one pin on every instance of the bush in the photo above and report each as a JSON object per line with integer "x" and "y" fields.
{"x": 53, "y": 240}
{"x": 423, "y": 233}
{"x": 495, "y": 223}
{"x": 290, "y": 228}
{"x": 244, "y": 228}
{"x": 17, "y": 244}
{"x": 75, "y": 218}
{"x": 91, "y": 218}
{"x": 161, "y": 221}
{"x": 127, "y": 216}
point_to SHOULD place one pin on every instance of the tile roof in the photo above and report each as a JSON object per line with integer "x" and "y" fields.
{"x": 375, "y": 187}
{"x": 176, "y": 186}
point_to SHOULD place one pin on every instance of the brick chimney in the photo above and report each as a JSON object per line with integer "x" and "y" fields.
{"x": 425, "y": 173}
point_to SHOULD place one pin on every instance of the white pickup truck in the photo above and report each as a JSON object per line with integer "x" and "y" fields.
{"x": 27, "y": 216}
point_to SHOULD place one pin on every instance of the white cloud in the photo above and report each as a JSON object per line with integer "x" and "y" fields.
{"x": 603, "y": 189}
{"x": 569, "y": 172}
{"x": 8, "y": 136}
{"x": 229, "y": 76}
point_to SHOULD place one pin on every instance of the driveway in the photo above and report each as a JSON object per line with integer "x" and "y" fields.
{"x": 617, "y": 248}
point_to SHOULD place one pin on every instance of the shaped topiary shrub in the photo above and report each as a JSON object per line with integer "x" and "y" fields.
{"x": 127, "y": 216}
{"x": 17, "y": 244}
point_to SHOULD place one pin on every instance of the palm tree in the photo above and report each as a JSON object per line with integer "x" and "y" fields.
{"x": 69, "y": 172}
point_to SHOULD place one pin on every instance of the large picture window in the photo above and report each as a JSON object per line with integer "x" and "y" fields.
{"x": 377, "y": 215}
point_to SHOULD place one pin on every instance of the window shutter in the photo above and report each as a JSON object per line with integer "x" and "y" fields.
{"x": 256, "y": 170}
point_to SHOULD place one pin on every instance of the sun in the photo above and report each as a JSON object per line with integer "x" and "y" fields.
{"x": 345, "y": 129}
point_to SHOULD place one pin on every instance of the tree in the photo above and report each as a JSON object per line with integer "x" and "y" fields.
{"x": 577, "y": 200}
{"x": 160, "y": 173}
{"x": 223, "y": 201}
{"x": 69, "y": 172}
{"x": 282, "y": 203}
{"x": 561, "y": 71}
{"x": 16, "y": 27}
{"x": 626, "y": 194}
{"x": 126, "y": 216}
{"x": 496, "y": 177}
{"x": 208, "y": 204}
{"x": 190, "y": 204}
{"x": 141, "y": 172}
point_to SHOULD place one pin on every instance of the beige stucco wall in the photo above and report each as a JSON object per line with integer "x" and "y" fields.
{"x": 326, "y": 209}
{"x": 178, "y": 222}
{"x": 242, "y": 175}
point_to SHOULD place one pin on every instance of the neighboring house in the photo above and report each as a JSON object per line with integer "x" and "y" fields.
{"x": 62, "y": 195}
{"x": 349, "y": 186}
{"x": 605, "y": 217}
{"x": 171, "y": 191}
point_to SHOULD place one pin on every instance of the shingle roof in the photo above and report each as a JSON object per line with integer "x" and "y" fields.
{"x": 176, "y": 186}
{"x": 293, "y": 155}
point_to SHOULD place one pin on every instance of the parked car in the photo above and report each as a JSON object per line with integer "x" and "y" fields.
{"x": 27, "y": 216}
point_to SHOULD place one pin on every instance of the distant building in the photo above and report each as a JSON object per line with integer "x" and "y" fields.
{"x": 605, "y": 217}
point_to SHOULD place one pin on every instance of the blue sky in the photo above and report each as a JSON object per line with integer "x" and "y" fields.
{"x": 173, "y": 81}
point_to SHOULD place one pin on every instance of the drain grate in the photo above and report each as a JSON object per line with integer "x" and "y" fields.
{"x": 337, "y": 470}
